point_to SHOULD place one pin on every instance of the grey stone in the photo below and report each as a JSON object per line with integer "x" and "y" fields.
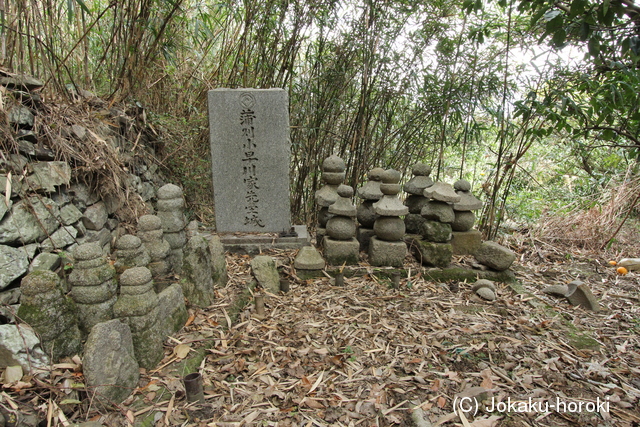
{"x": 432, "y": 254}
{"x": 483, "y": 283}
{"x": 169, "y": 191}
{"x": 21, "y": 116}
{"x": 366, "y": 214}
{"x": 95, "y": 294}
{"x": 417, "y": 184}
{"x": 309, "y": 258}
{"x": 389, "y": 228}
{"x": 50, "y": 313}
{"x": 466, "y": 242}
{"x": 327, "y": 195}
{"x": 30, "y": 220}
{"x": 435, "y": 231}
{"x": 556, "y": 290}
{"x": 15, "y": 186}
{"x": 468, "y": 202}
{"x": 10, "y": 296}
{"x": 438, "y": 211}
{"x": 112, "y": 203}
{"x": 364, "y": 236}
{"x": 109, "y": 365}
{"x": 486, "y": 293}
{"x": 495, "y": 256}
{"x": 197, "y": 277}
{"x": 333, "y": 178}
{"x": 21, "y": 82}
{"x": 82, "y": 196}
{"x": 371, "y": 189}
{"x": 26, "y": 148}
{"x": 343, "y": 205}
{"x": 579, "y": 294}
{"x": 413, "y": 222}
{"x": 383, "y": 253}
{"x": 95, "y": 216}
{"x": 90, "y": 315}
{"x": 421, "y": 169}
{"x": 338, "y": 252}
{"x": 463, "y": 220}
{"x": 341, "y": 228}
{"x": 250, "y": 151}
{"x": 218, "y": 262}
{"x": 462, "y": 185}
{"x": 172, "y": 312}
{"x": 70, "y": 214}
{"x": 173, "y": 221}
{"x": 46, "y": 261}
{"x": 265, "y": 271}
{"x": 102, "y": 237}
{"x": 46, "y": 176}
{"x": 323, "y": 217}
{"x": 149, "y": 223}
{"x": 148, "y": 191}
{"x": 14, "y": 163}
{"x": 175, "y": 240}
{"x": 333, "y": 163}
{"x": 19, "y": 345}
{"x": 390, "y": 206}
{"x": 59, "y": 239}
{"x": 13, "y": 264}
{"x": 442, "y": 192}
{"x": 415, "y": 203}
{"x": 5, "y": 206}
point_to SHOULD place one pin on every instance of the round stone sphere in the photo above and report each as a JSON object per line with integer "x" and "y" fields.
{"x": 333, "y": 178}
{"x": 333, "y": 164}
{"x": 341, "y": 228}
{"x": 390, "y": 176}
{"x": 421, "y": 169}
{"x": 345, "y": 191}
{"x": 462, "y": 185}
{"x": 463, "y": 220}
{"x": 389, "y": 228}
{"x": 375, "y": 174}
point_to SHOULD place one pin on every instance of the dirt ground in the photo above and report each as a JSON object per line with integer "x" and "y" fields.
{"x": 371, "y": 354}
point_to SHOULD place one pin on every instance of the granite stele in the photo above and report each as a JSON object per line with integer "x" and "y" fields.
{"x": 250, "y": 152}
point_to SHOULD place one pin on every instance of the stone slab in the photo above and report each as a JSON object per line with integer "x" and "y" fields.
{"x": 465, "y": 242}
{"x": 338, "y": 252}
{"x": 382, "y": 253}
{"x": 250, "y": 152}
{"x": 255, "y": 243}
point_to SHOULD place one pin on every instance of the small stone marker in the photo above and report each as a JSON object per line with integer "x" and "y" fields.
{"x": 250, "y": 151}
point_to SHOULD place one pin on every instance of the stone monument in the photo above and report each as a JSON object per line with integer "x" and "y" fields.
{"x": 340, "y": 243}
{"x": 369, "y": 193}
{"x": 250, "y": 156}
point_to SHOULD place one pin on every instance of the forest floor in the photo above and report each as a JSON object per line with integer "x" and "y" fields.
{"x": 371, "y": 354}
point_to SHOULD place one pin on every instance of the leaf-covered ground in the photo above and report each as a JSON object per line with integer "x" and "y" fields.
{"x": 370, "y": 354}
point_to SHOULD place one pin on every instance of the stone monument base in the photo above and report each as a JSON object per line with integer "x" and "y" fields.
{"x": 364, "y": 237}
{"x": 338, "y": 252}
{"x": 430, "y": 253}
{"x": 383, "y": 253}
{"x": 254, "y": 243}
{"x": 466, "y": 242}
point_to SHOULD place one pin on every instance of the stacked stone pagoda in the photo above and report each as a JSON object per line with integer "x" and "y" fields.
{"x": 130, "y": 252}
{"x": 387, "y": 247}
{"x": 416, "y": 200}
{"x": 340, "y": 243}
{"x": 152, "y": 237}
{"x": 333, "y": 174}
{"x": 171, "y": 214}
{"x": 465, "y": 240}
{"x": 435, "y": 248}
{"x": 369, "y": 193}
{"x": 93, "y": 286}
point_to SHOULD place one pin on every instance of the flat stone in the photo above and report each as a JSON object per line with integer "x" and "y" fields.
{"x": 486, "y": 293}
{"x": 309, "y": 258}
{"x": 442, "y": 192}
{"x": 29, "y": 221}
{"x": 556, "y": 290}
{"x": 389, "y": 254}
{"x": 59, "y": 239}
{"x": 19, "y": 345}
{"x": 465, "y": 242}
{"x": 82, "y": 195}
{"x": 468, "y": 202}
{"x": 338, "y": 252}
{"x": 47, "y": 176}
{"x": 95, "y": 216}
{"x": 417, "y": 185}
{"x": 70, "y": 214}
{"x": 172, "y": 311}
{"x": 495, "y": 256}
{"x": 438, "y": 211}
{"x": 102, "y": 237}
{"x": 21, "y": 116}
{"x": 109, "y": 364}
{"x": 45, "y": 261}
{"x": 13, "y": 264}
{"x": 250, "y": 152}
{"x": 579, "y": 294}
{"x": 21, "y": 82}
{"x": 390, "y": 206}
{"x": 265, "y": 271}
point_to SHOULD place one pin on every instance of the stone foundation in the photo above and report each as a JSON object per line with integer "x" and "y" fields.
{"x": 382, "y": 253}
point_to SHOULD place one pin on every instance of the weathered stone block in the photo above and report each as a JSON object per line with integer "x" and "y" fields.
{"x": 466, "y": 242}
{"x": 265, "y": 271}
{"x": 435, "y": 231}
{"x": 432, "y": 254}
{"x": 383, "y": 253}
{"x": 495, "y": 256}
{"x": 338, "y": 252}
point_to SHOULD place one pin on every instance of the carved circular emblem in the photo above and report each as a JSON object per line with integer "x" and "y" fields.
{"x": 247, "y": 100}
